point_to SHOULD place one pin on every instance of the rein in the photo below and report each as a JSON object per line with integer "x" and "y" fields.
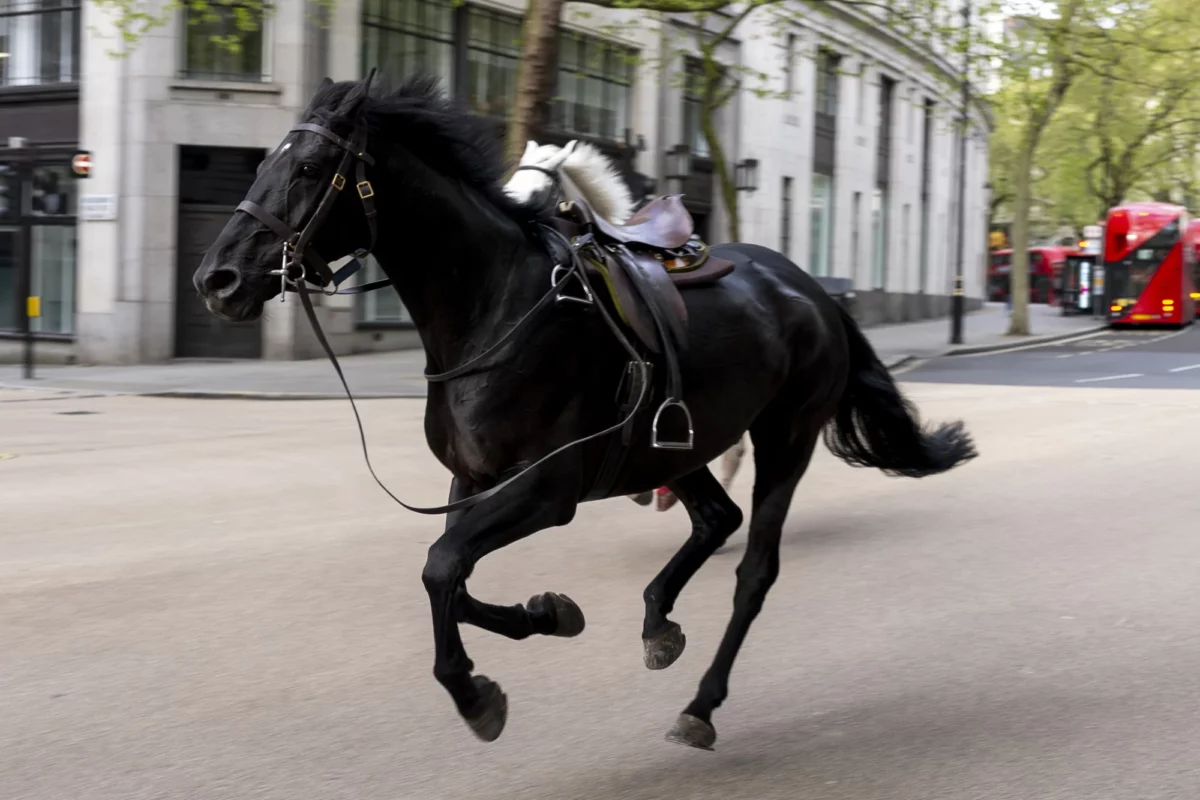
{"x": 295, "y": 278}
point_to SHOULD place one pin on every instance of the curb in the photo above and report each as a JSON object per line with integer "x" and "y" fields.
{"x": 1031, "y": 341}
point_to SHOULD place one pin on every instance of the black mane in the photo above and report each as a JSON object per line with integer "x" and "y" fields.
{"x": 456, "y": 144}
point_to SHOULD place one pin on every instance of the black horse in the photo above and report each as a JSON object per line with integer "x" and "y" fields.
{"x": 767, "y": 351}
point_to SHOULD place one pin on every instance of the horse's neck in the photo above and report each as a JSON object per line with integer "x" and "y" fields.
{"x": 461, "y": 271}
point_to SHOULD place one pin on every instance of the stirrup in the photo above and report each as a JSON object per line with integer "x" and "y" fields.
{"x": 556, "y": 276}
{"x": 657, "y": 443}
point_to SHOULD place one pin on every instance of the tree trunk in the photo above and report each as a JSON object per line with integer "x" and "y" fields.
{"x": 536, "y": 72}
{"x": 725, "y": 181}
{"x": 1018, "y": 275}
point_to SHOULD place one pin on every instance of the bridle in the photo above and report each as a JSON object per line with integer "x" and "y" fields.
{"x": 298, "y": 250}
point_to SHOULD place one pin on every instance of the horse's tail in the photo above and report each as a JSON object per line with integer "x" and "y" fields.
{"x": 875, "y": 426}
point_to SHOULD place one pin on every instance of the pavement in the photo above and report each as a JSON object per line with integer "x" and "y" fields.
{"x": 399, "y": 374}
{"x": 212, "y": 601}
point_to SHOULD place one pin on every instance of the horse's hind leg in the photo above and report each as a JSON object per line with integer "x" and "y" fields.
{"x": 714, "y": 519}
{"x": 547, "y": 614}
{"x": 780, "y": 460}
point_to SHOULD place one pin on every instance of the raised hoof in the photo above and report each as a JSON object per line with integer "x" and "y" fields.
{"x": 487, "y": 717}
{"x": 643, "y": 499}
{"x": 665, "y": 649}
{"x": 692, "y": 731}
{"x": 568, "y": 617}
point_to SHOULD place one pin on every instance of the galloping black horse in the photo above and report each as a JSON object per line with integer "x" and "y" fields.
{"x": 767, "y": 351}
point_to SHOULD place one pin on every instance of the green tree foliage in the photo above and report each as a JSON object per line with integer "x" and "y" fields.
{"x": 1096, "y": 99}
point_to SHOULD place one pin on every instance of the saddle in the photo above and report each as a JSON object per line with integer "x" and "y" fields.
{"x": 645, "y": 263}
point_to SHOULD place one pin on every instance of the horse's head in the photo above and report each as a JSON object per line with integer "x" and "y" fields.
{"x": 309, "y": 205}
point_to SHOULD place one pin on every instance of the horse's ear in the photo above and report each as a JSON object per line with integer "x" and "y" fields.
{"x": 353, "y": 100}
{"x": 312, "y": 101}
{"x": 569, "y": 148}
{"x": 530, "y": 147}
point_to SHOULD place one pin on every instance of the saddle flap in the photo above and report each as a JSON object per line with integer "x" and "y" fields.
{"x": 711, "y": 271}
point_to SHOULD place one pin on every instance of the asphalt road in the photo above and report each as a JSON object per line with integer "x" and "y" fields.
{"x": 210, "y": 599}
{"x": 1150, "y": 359}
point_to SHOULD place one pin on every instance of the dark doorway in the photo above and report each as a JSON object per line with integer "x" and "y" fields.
{"x": 212, "y": 181}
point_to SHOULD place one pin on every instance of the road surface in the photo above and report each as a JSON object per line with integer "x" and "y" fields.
{"x": 211, "y": 600}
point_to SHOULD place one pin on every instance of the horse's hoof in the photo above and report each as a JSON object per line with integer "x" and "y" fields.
{"x": 487, "y": 717}
{"x": 665, "y": 649}
{"x": 568, "y": 617}
{"x": 692, "y": 731}
{"x": 643, "y": 499}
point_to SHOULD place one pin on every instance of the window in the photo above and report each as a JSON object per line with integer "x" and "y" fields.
{"x": 855, "y": 235}
{"x": 879, "y": 232}
{"x": 53, "y": 276}
{"x": 789, "y": 63}
{"x": 39, "y": 42}
{"x": 405, "y": 37}
{"x": 205, "y": 59}
{"x": 827, "y": 82}
{"x": 594, "y": 80}
{"x": 785, "y": 221}
{"x": 821, "y": 223}
{"x": 693, "y": 94}
{"x": 926, "y": 172}
{"x": 381, "y": 305}
{"x": 493, "y": 49}
{"x": 905, "y": 217}
{"x": 37, "y": 208}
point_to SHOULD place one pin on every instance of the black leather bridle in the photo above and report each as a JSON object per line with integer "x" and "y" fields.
{"x": 298, "y": 252}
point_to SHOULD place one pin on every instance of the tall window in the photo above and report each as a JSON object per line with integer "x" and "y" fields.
{"x": 493, "y": 49}
{"x": 405, "y": 37}
{"x": 789, "y": 64}
{"x": 39, "y": 42}
{"x": 905, "y": 257}
{"x": 827, "y": 82}
{"x": 879, "y": 238}
{"x": 821, "y": 223}
{"x": 594, "y": 80}
{"x": 785, "y": 219}
{"x": 883, "y": 169}
{"x": 926, "y": 172}
{"x": 855, "y": 235}
{"x": 693, "y": 95}
{"x": 37, "y": 203}
{"x": 205, "y": 59}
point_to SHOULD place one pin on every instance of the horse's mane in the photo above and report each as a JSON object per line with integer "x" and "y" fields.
{"x": 596, "y": 176}
{"x": 456, "y": 144}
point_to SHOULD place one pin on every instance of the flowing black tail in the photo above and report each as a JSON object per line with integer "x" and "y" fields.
{"x": 876, "y": 427}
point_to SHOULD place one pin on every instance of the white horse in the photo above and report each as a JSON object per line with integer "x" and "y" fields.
{"x": 586, "y": 173}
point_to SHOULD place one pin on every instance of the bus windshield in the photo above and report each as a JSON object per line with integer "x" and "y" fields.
{"x": 1130, "y": 276}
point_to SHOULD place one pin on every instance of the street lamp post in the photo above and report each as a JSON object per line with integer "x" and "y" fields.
{"x": 958, "y": 301}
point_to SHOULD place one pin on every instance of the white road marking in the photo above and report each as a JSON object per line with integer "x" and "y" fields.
{"x": 1112, "y": 377}
{"x": 1184, "y": 369}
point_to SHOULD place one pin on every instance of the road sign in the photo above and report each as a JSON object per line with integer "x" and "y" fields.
{"x": 81, "y": 164}
{"x": 98, "y": 207}
{"x": 33, "y": 307}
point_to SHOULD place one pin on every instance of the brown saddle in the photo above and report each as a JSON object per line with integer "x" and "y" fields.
{"x": 644, "y": 263}
{"x": 655, "y": 251}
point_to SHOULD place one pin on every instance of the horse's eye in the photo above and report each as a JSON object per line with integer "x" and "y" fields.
{"x": 310, "y": 171}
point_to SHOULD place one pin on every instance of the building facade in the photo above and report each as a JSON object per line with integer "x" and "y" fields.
{"x": 855, "y": 150}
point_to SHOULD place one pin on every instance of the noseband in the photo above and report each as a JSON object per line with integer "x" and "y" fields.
{"x": 297, "y": 245}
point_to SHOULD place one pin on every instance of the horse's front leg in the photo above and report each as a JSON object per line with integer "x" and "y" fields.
{"x": 546, "y": 614}
{"x": 545, "y": 498}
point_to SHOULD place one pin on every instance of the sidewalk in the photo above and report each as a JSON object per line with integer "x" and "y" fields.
{"x": 399, "y": 374}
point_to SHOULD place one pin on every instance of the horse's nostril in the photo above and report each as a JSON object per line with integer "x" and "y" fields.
{"x": 221, "y": 282}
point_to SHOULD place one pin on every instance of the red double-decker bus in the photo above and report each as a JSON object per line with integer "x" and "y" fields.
{"x": 1045, "y": 273}
{"x": 1193, "y": 238}
{"x": 1148, "y": 265}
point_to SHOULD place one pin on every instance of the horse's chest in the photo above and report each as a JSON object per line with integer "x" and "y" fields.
{"x": 474, "y": 438}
